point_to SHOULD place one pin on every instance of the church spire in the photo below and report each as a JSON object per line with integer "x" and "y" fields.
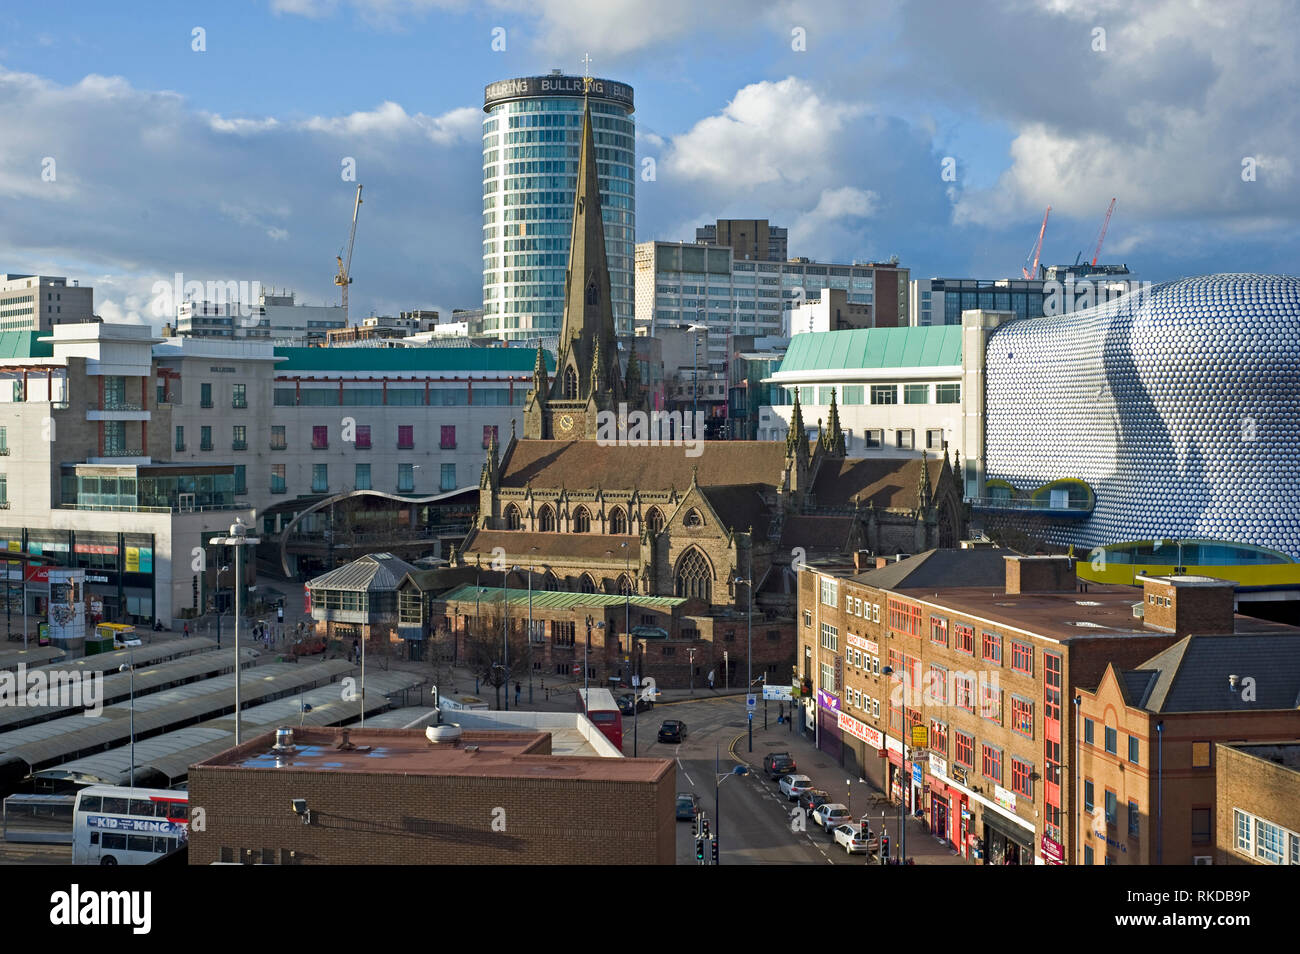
{"x": 796, "y": 435}
{"x": 540, "y": 379}
{"x": 833, "y": 441}
{"x": 924, "y": 493}
{"x": 632, "y": 381}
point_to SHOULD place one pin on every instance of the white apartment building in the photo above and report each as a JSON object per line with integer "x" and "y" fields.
{"x": 272, "y": 317}
{"x": 39, "y": 302}
{"x": 678, "y": 283}
{"x": 830, "y": 310}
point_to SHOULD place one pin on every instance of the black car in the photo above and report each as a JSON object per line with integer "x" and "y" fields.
{"x": 812, "y": 798}
{"x": 778, "y": 765}
{"x": 687, "y": 806}
{"x": 625, "y": 704}
{"x": 673, "y": 730}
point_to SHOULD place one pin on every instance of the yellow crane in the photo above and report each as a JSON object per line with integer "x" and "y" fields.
{"x": 344, "y": 277}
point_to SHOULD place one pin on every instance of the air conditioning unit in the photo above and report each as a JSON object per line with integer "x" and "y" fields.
{"x": 1202, "y": 859}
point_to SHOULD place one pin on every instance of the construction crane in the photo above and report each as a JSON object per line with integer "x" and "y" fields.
{"x": 1101, "y": 236}
{"x": 1031, "y": 271}
{"x": 344, "y": 277}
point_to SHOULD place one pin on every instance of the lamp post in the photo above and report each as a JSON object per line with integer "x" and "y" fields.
{"x": 1078, "y": 781}
{"x": 131, "y": 669}
{"x": 749, "y": 585}
{"x": 219, "y": 612}
{"x": 238, "y": 539}
{"x": 1160, "y": 792}
{"x": 586, "y": 668}
{"x": 505, "y": 631}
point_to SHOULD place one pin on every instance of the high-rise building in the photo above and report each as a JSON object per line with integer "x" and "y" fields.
{"x": 749, "y": 238}
{"x": 1063, "y": 289}
{"x": 531, "y": 140}
{"x": 39, "y": 302}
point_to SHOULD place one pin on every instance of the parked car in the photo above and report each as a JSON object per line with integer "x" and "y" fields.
{"x": 687, "y": 806}
{"x": 831, "y": 815}
{"x": 778, "y": 765}
{"x": 810, "y": 798}
{"x": 673, "y": 730}
{"x": 625, "y": 703}
{"x": 792, "y": 786}
{"x": 853, "y": 837}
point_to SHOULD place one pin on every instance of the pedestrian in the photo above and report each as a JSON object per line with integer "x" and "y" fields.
{"x": 517, "y": 691}
{"x": 186, "y": 634}
{"x": 279, "y": 614}
{"x": 356, "y": 651}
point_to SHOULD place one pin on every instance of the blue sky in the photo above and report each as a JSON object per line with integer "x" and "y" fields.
{"x": 224, "y": 164}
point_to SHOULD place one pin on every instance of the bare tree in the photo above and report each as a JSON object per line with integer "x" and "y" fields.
{"x": 484, "y": 650}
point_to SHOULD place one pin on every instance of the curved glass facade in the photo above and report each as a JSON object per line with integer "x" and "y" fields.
{"x": 530, "y": 172}
{"x": 1180, "y": 407}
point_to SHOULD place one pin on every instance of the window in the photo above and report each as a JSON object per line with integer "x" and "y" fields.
{"x": 205, "y": 394}
{"x": 1087, "y": 854}
{"x": 1022, "y": 716}
{"x": 874, "y": 437}
{"x": 654, "y": 521}
{"x": 241, "y": 478}
{"x": 4, "y": 441}
{"x": 1021, "y": 783}
{"x": 916, "y": 394}
{"x": 278, "y": 441}
{"x": 905, "y": 618}
{"x": 903, "y": 438}
{"x": 875, "y": 612}
{"x": 205, "y": 438}
{"x": 277, "y": 479}
{"x": 448, "y": 437}
{"x": 362, "y": 437}
{"x": 884, "y": 394}
{"x": 1087, "y": 795}
{"x": 947, "y": 394}
{"x": 405, "y": 436}
{"x": 991, "y": 762}
{"x": 963, "y": 689}
{"x": 180, "y": 438}
{"x": 545, "y": 518}
{"x": 239, "y": 395}
{"x": 807, "y": 617}
{"x": 617, "y": 521}
{"x": 1201, "y": 824}
{"x": 1133, "y": 749}
{"x": 581, "y": 521}
{"x": 1087, "y": 732}
{"x": 448, "y": 481}
{"x": 405, "y": 478}
{"x": 320, "y": 478}
{"x": 1112, "y": 740}
{"x": 939, "y": 737}
{"x": 937, "y": 690}
{"x": 320, "y": 437}
{"x": 489, "y": 435}
{"x": 857, "y": 606}
{"x": 963, "y": 638}
{"x": 934, "y": 439}
{"x": 1134, "y": 819}
{"x": 991, "y": 648}
{"x": 830, "y": 592}
{"x": 1112, "y": 807}
{"x": 239, "y": 437}
{"x": 363, "y": 477}
{"x": 991, "y": 702}
{"x": 1022, "y": 658}
{"x": 830, "y": 637}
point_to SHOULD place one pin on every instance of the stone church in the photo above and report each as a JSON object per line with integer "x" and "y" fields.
{"x": 600, "y": 516}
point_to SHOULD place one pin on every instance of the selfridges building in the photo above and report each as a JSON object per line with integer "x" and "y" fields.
{"x": 1179, "y": 407}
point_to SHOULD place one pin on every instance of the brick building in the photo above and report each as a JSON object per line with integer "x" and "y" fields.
{"x": 392, "y": 796}
{"x": 985, "y": 650}
{"x": 1149, "y": 734}
{"x": 1257, "y": 803}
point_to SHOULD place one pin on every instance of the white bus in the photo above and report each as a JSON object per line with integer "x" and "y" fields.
{"x": 127, "y": 826}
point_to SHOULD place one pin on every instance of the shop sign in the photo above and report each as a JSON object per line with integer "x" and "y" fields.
{"x": 827, "y": 701}
{"x": 1004, "y": 798}
{"x": 860, "y": 730}
{"x": 857, "y": 642}
{"x": 894, "y": 745}
{"x": 958, "y": 774}
{"x": 1053, "y": 851}
{"x": 96, "y": 578}
{"x": 918, "y": 777}
{"x": 100, "y": 548}
{"x": 938, "y": 766}
{"x": 920, "y": 736}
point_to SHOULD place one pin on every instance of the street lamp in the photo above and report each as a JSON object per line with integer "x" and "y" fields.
{"x": 695, "y": 380}
{"x": 223, "y": 569}
{"x": 238, "y": 539}
{"x": 505, "y": 631}
{"x": 131, "y": 668}
{"x": 749, "y": 585}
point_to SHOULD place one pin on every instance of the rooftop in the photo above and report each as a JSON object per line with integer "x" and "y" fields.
{"x": 553, "y": 599}
{"x": 398, "y": 360}
{"x": 1193, "y": 674}
{"x": 1286, "y": 754}
{"x": 483, "y": 754}
{"x": 872, "y": 348}
{"x": 374, "y": 571}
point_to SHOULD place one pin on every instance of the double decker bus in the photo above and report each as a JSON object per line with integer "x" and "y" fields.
{"x": 114, "y": 825}
{"x": 602, "y": 709}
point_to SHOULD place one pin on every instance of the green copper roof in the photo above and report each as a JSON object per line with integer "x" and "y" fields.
{"x": 409, "y": 359}
{"x": 24, "y": 344}
{"x": 551, "y": 599}
{"x": 868, "y": 348}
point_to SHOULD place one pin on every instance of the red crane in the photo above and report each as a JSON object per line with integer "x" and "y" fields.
{"x": 1101, "y": 236}
{"x": 1032, "y": 271}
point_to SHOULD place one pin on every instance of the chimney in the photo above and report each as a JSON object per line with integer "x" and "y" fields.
{"x": 1039, "y": 574}
{"x": 1189, "y": 605}
{"x": 857, "y": 561}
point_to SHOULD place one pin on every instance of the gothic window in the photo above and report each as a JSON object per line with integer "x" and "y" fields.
{"x": 546, "y": 519}
{"x": 512, "y": 517}
{"x": 693, "y": 518}
{"x": 694, "y": 577}
{"x": 625, "y": 586}
{"x": 617, "y": 521}
{"x": 570, "y": 383}
{"x": 550, "y": 583}
{"x": 593, "y": 292}
{"x": 654, "y": 519}
{"x": 586, "y": 584}
{"x": 582, "y": 522}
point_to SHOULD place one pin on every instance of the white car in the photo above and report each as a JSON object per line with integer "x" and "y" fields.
{"x": 852, "y": 837}
{"x": 792, "y": 786}
{"x": 831, "y": 815}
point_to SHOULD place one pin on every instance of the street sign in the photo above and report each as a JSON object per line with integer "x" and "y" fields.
{"x": 750, "y": 702}
{"x": 577, "y": 669}
{"x": 920, "y": 736}
{"x": 777, "y": 693}
{"x": 751, "y": 716}
{"x": 916, "y": 774}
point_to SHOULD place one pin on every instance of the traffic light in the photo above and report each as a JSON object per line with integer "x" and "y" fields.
{"x": 705, "y": 830}
{"x": 695, "y": 825}
{"x": 699, "y": 849}
{"x": 884, "y": 848}
{"x": 714, "y": 843}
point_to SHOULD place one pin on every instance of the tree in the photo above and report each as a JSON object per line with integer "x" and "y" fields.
{"x": 483, "y": 648}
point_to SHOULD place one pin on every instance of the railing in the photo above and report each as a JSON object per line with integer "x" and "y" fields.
{"x": 115, "y": 452}
{"x": 197, "y": 508}
{"x": 113, "y": 404}
{"x": 239, "y": 445}
{"x": 283, "y": 445}
{"x": 239, "y": 404}
{"x": 205, "y": 446}
{"x": 1029, "y": 503}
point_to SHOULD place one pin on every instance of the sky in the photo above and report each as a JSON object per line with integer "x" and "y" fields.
{"x": 144, "y": 139}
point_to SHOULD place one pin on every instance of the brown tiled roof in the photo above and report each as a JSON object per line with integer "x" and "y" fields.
{"x": 885, "y": 482}
{"x": 816, "y": 533}
{"x": 577, "y": 464}
{"x": 741, "y": 507}
{"x": 518, "y": 543}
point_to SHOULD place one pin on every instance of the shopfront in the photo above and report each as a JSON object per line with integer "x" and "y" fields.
{"x": 862, "y": 748}
{"x": 1006, "y": 842}
{"x": 962, "y": 819}
{"x": 828, "y": 728}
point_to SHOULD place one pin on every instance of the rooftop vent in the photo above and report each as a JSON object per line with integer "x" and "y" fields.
{"x": 443, "y": 734}
{"x": 284, "y": 740}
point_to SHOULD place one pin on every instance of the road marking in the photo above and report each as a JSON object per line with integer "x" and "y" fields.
{"x": 684, "y": 772}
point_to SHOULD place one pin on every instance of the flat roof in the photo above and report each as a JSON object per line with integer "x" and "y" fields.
{"x": 499, "y": 754}
{"x": 397, "y": 360}
{"x": 873, "y": 348}
{"x": 1284, "y": 754}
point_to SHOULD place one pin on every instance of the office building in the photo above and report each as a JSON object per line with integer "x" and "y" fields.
{"x": 531, "y": 139}
{"x": 267, "y": 316}
{"x": 39, "y": 302}
{"x": 1257, "y": 803}
{"x": 750, "y": 239}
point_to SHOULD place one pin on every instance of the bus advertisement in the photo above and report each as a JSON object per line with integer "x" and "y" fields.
{"x": 114, "y": 825}
{"x": 602, "y": 709}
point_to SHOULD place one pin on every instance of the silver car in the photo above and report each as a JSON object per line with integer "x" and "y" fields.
{"x": 831, "y": 815}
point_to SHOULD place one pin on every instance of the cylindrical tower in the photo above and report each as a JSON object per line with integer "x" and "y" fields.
{"x": 532, "y": 132}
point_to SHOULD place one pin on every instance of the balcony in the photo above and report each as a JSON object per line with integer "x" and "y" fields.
{"x": 205, "y": 446}
{"x": 113, "y": 409}
{"x": 282, "y": 445}
{"x": 320, "y": 445}
{"x": 238, "y": 404}
{"x": 239, "y": 445}
{"x": 1078, "y": 509}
